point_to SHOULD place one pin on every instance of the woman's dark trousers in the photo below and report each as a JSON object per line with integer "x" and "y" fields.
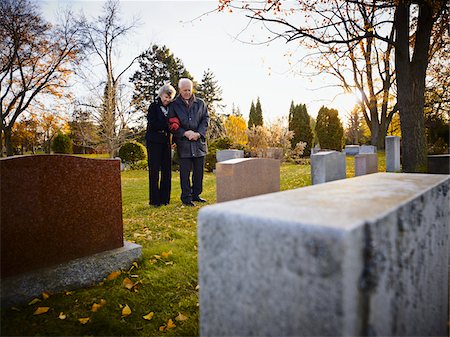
{"x": 159, "y": 173}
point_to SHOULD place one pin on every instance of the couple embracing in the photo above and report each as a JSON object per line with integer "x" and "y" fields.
{"x": 186, "y": 118}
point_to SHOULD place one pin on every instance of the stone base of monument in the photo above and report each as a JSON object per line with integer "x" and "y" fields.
{"x": 78, "y": 273}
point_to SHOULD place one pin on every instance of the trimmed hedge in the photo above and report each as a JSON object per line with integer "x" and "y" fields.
{"x": 132, "y": 152}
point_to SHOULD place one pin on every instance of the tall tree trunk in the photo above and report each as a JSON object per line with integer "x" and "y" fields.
{"x": 411, "y": 84}
{"x": 8, "y": 142}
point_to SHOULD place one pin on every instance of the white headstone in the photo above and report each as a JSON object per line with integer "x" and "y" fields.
{"x": 392, "y": 154}
{"x": 354, "y": 257}
{"x": 327, "y": 166}
{"x": 351, "y": 150}
{"x": 222, "y": 155}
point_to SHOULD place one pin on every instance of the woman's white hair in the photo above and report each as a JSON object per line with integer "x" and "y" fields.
{"x": 167, "y": 89}
{"x": 183, "y": 81}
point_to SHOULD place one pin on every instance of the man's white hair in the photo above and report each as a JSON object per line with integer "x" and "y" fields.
{"x": 184, "y": 81}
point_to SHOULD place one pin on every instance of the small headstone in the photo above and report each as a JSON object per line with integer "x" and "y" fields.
{"x": 439, "y": 164}
{"x": 246, "y": 177}
{"x": 392, "y": 154}
{"x": 351, "y": 150}
{"x": 315, "y": 149}
{"x": 367, "y": 149}
{"x": 366, "y": 163}
{"x": 222, "y": 155}
{"x": 327, "y": 166}
{"x": 274, "y": 153}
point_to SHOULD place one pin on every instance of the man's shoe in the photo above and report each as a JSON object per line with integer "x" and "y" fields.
{"x": 199, "y": 199}
{"x": 189, "y": 203}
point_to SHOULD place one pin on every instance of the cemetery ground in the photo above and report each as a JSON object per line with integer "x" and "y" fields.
{"x": 158, "y": 295}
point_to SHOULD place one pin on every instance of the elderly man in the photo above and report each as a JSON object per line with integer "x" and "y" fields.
{"x": 189, "y": 121}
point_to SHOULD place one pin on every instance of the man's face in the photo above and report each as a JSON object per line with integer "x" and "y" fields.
{"x": 186, "y": 91}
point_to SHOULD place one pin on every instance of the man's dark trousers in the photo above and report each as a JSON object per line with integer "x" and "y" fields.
{"x": 159, "y": 160}
{"x": 188, "y": 190}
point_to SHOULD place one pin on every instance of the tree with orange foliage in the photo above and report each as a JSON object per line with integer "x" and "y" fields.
{"x": 35, "y": 60}
{"x": 411, "y": 31}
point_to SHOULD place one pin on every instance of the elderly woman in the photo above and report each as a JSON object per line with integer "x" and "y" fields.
{"x": 158, "y": 147}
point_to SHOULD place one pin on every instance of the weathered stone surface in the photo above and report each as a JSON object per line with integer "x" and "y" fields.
{"x": 366, "y": 163}
{"x": 56, "y": 208}
{"x": 367, "y": 149}
{"x": 81, "y": 272}
{"x": 222, "y": 155}
{"x": 351, "y": 150}
{"x": 439, "y": 164}
{"x": 392, "y": 149}
{"x": 241, "y": 178}
{"x": 327, "y": 166}
{"x": 354, "y": 257}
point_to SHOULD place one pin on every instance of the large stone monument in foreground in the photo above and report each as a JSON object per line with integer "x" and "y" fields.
{"x": 355, "y": 257}
{"x": 61, "y": 224}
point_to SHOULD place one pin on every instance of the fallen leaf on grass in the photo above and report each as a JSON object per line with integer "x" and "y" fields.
{"x": 97, "y": 306}
{"x": 113, "y": 275}
{"x": 41, "y": 310}
{"x": 153, "y": 261}
{"x": 166, "y": 254}
{"x": 84, "y": 320}
{"x": 127, "y": 283}
{"x": 149, "y": 316}
{"x": 197, "y": 287}
{"x": 126, "y": 311}
{"x": 67, "y": 293}
{"x": 170, "y": 263}
{"x": 45, "y": 295}
{"x": 62, "y": 315}
{"x": 34, "y": 301}
{"x": 157, "y": 256}
{"x": 170, "y": 324}
{"x": 180, "y": 317}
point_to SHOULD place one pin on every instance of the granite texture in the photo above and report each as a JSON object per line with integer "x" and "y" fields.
{"x": 56, "y": 208}
{"x": 77, "y": 273}
{"x": 354, "y": 257}
{"x": 242, "y": 178}
{"x": 327, "y": 166}
{"x": 222, "y": 155}
{"x": 392, "y": 148}
{"x": 366, "y": 163}
{"x": 351, "y": 150}
{"x": 439, "y": 163}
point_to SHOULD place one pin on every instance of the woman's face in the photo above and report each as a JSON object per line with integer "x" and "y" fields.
{"x": 165, "y": 99}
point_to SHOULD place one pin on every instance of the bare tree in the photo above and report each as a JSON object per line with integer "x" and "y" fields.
{"x": 410, "y": 29}
{"x": 35, "y": 60}
{"x": 103, "y": 34}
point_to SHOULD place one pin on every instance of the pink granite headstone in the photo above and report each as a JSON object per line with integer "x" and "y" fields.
{"x": 56, "y": 208}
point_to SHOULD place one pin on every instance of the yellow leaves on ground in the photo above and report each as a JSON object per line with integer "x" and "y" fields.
{"x": 126, "y": 311}
{"x": 163, "y": 258}
{"x": 84, "y": 320}
{"x": 169, "y": 325}
{"x": 180, "y": 317}
{"x": 45, "y": 295}
{"x": 149, "y": 316}
{"x": 127, "y": 283}
{"x": 41, "y": 310}
{"x": 166, "y": 254}
{"x": 113, "y": 275}
{"x": 34, "y": 301}
{"x": 97, "y": 306}
{"x": 62, "y": 316}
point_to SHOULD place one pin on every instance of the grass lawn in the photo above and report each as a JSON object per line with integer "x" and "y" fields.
{"x": 165, "y": 279}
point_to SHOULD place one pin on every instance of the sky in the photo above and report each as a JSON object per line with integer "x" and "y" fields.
{"x": 243, "y": 70}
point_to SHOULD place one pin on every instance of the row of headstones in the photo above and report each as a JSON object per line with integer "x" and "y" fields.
{"x": 331, "y": 165}
{"x": 307, "y": 262}
{"x": 238, "y": 177}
